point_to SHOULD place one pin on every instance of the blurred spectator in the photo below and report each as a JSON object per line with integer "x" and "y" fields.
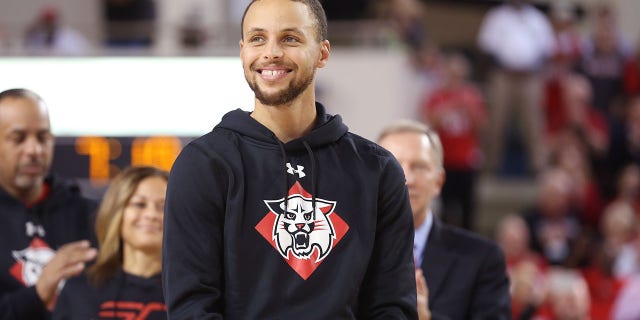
{"x": 567, "y": 54}
{"x": 570, "y": 154}
{"x": 129, "y": 23}
{"x": 124, "y": 282}
{"x": 627, "y": 306}
{"x": 407, "y": 19}
{"x": 513, "y": 237}
{"x": 632, "y": 73}
{"x": 625, "y": 146}
{"x": 429, "y": 62}
{"x": 616, "y": 228}
{"x": 520, "y": 39}
{"x": 47, "y": 35}
{"x": 193, "y": 33}
{"x": 579, "y": 142}
{"x": 627, "y": 261}
{"x": 603, "y": 62}
{"x": 628, "y": 187}
{"x": 569, "y": 42}
{"x": 582, "y": 116}
{"x": 578, "y": 123}
{"x": 554, "y": 226}
{"x": 526, "y": 268}
{"x": 456, "y": 111}
{"x": 567, "y": 297}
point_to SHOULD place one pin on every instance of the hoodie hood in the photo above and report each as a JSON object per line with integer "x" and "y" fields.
{"x": 328, "y": 129}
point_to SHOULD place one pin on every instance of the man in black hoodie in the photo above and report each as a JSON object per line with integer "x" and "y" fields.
{"x": 281, "y": 213}
{"x": 46, "y": 223}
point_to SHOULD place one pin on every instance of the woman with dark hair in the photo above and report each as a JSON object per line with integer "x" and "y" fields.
{"x": 124, "y": 282}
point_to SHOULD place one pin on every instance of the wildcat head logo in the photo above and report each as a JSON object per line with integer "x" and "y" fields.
{"x": 30, "y": 261}
{"x": 304, "y": 235}
{"x": 302, "y": 228}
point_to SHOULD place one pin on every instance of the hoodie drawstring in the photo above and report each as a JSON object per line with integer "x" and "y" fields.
{"x": 313, "y": 176}
{"x": 286, "y": 184}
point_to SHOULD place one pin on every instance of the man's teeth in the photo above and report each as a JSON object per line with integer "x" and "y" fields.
{"x": 273, "y": 72}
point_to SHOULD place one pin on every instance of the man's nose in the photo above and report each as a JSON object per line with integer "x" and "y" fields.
{"x": 33, "y": 146}
{"x": 273, "y": 50}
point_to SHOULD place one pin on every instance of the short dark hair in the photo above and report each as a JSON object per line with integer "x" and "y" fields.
{"x": 315, "y": 6}
{"x": 19, "y": 93}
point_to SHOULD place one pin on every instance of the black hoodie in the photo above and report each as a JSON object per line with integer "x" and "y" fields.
{"x": 30, "y": 235}
{"x": 125, "y": 296}
{"x": 340, "y": 247}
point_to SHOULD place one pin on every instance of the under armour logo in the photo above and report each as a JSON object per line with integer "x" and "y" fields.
{"x": 33, "y": 229}
{"x": 299, "y": 170}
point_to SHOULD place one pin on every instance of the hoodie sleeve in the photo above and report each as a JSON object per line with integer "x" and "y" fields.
{"x": 192, "y": 253}
{"x": 63, "y": 308}
{"x": 389, "y": 290}
{"x": 22, "y": 304}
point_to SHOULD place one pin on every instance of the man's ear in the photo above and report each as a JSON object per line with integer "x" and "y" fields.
{"x": 241, "y": 43}
{"x": 325, "y": 52}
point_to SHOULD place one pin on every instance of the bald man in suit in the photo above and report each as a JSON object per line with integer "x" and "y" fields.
{"x": 459, "y": 274}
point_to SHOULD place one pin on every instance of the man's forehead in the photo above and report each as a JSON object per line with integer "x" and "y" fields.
{"x": 20, "y": 116}
{"x": 286, "y": 13}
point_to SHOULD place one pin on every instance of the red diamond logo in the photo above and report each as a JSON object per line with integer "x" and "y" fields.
{"x": 302, "y": 230}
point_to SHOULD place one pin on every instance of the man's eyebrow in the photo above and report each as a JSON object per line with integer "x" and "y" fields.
{"x": 292, "y": 29}
{"x": 255, "y": 30}
{"x": 258, "y": 30}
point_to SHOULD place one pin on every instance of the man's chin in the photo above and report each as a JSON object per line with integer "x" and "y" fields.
{"x": 273, "y": 100}
{"x": 29, "y": 182}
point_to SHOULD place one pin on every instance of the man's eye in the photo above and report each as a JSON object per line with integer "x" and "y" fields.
{"x": 44, "y": 137}
{"x": 256, "y": 39}
{"x": 290, "y": 39}
{"x": 420, "y": 167}
{"x": 17, "y": 138}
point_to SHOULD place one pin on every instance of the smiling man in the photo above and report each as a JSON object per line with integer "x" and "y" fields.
{"x": 281, "y": 213}
{"x": 44, "y": 218}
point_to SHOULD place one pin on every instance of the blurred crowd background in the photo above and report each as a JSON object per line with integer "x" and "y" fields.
{"x": 540, "y": 121}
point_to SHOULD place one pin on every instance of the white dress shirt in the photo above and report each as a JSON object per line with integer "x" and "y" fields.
{"x": 420, "y": 238}
{"x": 520, "y": 39}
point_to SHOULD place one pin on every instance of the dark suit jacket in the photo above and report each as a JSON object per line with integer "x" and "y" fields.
{"x": 466, "y": 275}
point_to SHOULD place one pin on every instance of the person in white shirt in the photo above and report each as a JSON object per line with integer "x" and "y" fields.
{"x": 519, "y": 39}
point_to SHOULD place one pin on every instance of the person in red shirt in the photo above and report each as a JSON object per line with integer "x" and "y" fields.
{"x": 631, "y": 74}
{"x": 457, "y": 112}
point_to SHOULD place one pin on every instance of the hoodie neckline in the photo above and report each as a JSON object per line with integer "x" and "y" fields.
{"x": 327, "y": 129}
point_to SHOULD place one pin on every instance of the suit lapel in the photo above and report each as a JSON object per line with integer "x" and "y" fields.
{"x": 437, "y": 259}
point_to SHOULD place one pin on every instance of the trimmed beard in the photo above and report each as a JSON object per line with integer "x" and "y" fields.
{"x": 283, "y": 96}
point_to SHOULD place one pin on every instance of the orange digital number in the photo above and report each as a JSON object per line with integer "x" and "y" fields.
{"x": 100, "y": 152}
{"x": 159, "y": 152}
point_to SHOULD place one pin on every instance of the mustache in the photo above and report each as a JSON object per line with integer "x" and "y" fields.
{"x": 256, "y": 66}
{"x": 36, "y": 162}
